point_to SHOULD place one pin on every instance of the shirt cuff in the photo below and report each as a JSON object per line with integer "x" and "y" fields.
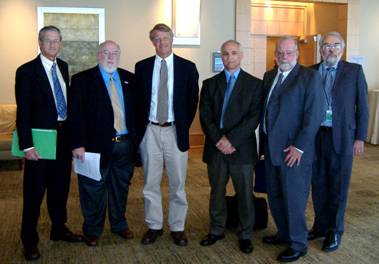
{"x": 299, "y": 150}
{"x": 27, "y": 149}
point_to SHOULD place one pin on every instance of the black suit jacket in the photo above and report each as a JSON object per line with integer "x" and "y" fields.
{"x": 35, "y": 100}
{"x": 294, "y": 113}
{"x": 350, "y": 106}
{"x": 241, "y": 117}
{"x": 185, "y": 98}
{"x": 91, "y": 115}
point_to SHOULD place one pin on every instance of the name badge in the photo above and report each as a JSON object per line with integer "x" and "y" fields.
{"x": 329, "y": 115}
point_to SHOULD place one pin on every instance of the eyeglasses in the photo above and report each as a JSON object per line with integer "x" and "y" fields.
{"x": 51, "y": 41}
{"x": 286, "y": 52}
{"x": 164, "y": 39}
{"x": 329, "y": 46}
{"x": 110, "y": 53}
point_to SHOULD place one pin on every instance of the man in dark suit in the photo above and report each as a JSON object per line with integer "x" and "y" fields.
{"x": 341, "y": 135}
{"x": 102, "y": 121}
{"x": 230, "y": 105}
{"x": 167, "y": 87}
{"x": 292, "y": 116}
{"x": 41, "y": 96}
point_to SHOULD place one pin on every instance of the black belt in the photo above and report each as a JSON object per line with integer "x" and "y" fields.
{"x": 120, "y": 138}
{"x": 166, "y": 124}
{"x": 61, "y": 124}
{"x": 326, "y": 129}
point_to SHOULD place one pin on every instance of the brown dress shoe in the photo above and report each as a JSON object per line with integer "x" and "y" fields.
{"x": 91, "y": 240}
{"x": 31, "y": 253}
{"x": 151, "y": 235}
{"x": 180, "y": 238}
{"x": 126, "y": 233}
{"x": 68, "y": 237}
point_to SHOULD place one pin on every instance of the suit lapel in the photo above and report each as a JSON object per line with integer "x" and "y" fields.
{"x": 44, "y": 80}
{"x": 340, "y": 75}
{"x": 287, "y": 83}
{"x": 149, "y": 78}
{"x": 102, "y": 89}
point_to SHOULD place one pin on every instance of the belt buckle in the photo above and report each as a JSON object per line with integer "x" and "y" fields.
{"x": 117, "y": 139}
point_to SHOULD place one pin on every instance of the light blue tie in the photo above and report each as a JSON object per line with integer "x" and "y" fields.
{"x": 228, "y": 92}
{"x": 59, "y": 97}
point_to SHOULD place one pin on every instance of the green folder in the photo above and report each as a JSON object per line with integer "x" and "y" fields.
{"x": 44, "y": 140}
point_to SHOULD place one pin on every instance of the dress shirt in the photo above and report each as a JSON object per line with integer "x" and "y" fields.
{"x": 322, "y": 70}
{"x": 47, "y": 64}
{"x": 117, "y": 82}
{"x": 155, "y": 84}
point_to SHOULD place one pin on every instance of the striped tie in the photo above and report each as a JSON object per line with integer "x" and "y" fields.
{"x": 59, "y": 97}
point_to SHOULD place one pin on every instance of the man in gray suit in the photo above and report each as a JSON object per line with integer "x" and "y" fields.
{"x": 230, "y": 104}
{"x": 341, "y": 135}
{"x": 291, "y": 118}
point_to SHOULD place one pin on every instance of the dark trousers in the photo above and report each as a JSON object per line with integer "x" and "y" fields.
{"x": 330, "y": 185}
{"x": 111, "y": 190}
{"x": 242, "y": 178}
{"x": 288, "y": 190}
{"x": 52, "y": 176}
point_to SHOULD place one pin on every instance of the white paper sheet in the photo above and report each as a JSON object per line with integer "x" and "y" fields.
{"x": 90, "y": 167}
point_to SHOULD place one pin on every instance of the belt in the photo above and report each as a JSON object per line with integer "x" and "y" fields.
{"x": 326, "y": 129}
{"x": 166, "y": 124}
{"x": 120, "y": 138}
{"x": 61, "y": 124}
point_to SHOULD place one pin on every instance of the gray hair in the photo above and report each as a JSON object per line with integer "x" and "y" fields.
{"x": 284, "y": 38}
{"x": 106, "y": 42}
{"x": 334, "y": 34}
{"x": 43, "y": 30}
{"x": 163, "y": 28}
{"x": 231, "y": 41}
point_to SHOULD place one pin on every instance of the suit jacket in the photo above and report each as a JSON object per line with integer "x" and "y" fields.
{"x": 91, "y": 115}
{"x": 241, "y": 117}
{"x": 185, "y": 98}
{"x": 350, "y": 106}
{"x": 35, "y": 100}
{"x": 294, "y": 113}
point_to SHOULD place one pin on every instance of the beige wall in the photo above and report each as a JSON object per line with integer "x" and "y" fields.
{"x": 126, "y": 21}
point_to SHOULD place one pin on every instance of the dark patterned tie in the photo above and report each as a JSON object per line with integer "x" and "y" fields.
{"x": 59, "y": 97}
{"x": 271, "y": 93}
{"x": 228, "y": 92}
{"x": 328, "y": 84}
{"x": 162, "y": 104}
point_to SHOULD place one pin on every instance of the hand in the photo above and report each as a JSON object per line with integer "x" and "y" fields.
{"x": 78, "y": 153}
{"x": 225, "y": 146}
{"x": 359, "y": 147}
{"x": 293, "y": 156}
{"x": 32, "y": 154}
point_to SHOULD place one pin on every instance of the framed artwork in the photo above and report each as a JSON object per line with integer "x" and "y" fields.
{"x": 217, "y": 65}
{"x": 186, "y": 22}
{"x": 82, "y": 30}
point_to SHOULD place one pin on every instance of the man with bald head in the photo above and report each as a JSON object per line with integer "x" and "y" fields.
{"x": 291, "y": 117}
{"x": 230, "y": 105}
{"x": 340, "y": 137}
{"x": 102, "y": 121}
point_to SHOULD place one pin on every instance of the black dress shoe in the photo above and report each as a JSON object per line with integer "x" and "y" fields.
{"x": 210, "y": 239}
{"x": 273, "y": 240}
{"x": 151, "y": 235}
{"x": 31, "y": 253}
{"x": 290, "y": 255}
{"x": 68, "y": 236}
{"x": 246, "y": 246}
{"x": 180, "y": 238}
{"x": 331, "y": 242}
{"x": 91, "y": 240}
{"x": 126, "y": 233}
{"x": 312, "y": 234}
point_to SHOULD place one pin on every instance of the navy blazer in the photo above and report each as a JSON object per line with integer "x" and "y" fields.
{"x": 240, "y": 120}
{"x": 350, "y": 106}
{"x": 35, "y": 100}
{"x": 294, "y": 113}
{"x": 185, "y": 97}
{"x": 91, "y": 117}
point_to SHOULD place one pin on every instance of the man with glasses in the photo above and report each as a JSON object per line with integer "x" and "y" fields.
{"x": 167, "y": 88}
{"x": 341, "y": 135}
{"x": 102, "y": 121}
{"x": 41, "y": 97}
{"x": 291, "y": 117}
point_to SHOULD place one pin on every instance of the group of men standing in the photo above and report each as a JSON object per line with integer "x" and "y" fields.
{"x": 113, "y": 112}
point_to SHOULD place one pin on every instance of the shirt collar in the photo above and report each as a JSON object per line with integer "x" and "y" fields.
{"x": 48, "y": 63}
{"x": 169, "y": 59}
{"x": 235, "y": 74}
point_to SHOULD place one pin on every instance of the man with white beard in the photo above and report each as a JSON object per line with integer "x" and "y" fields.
{"x": 102, "y": 121}
{"x": 341, "y": 135}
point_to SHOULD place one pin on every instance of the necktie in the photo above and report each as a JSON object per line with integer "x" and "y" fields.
{"x": 116, "y": 105}
{"x": 328, "y": 84}
{"x": 59, "y": 97}
{"x": 272, "y": 91}
{"x": 162, "y": 105}
{"x": 228, "y": 92}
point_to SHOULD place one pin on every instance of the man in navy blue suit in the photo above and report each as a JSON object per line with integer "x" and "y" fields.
{"x": 341, "y": 135}
{"x": 292, "y": 116}
{"x": 167, "y": 94}
{"x": 41, "y": 96}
